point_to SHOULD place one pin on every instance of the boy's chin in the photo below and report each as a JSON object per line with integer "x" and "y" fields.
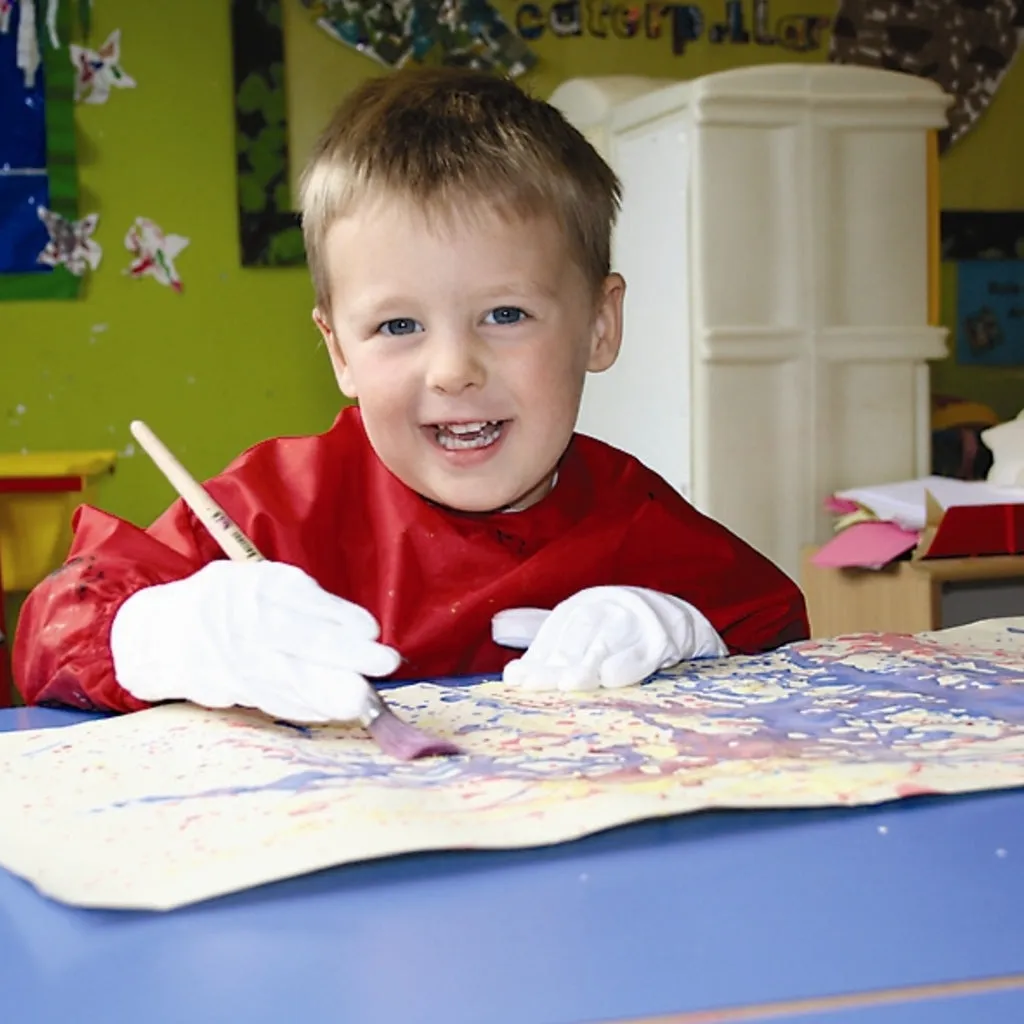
{"x": 480, "y": 501}
{"x": 467, "y": 506}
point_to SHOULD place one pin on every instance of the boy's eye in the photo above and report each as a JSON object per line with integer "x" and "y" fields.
{"x": 400, "y": 325}
{"x": 505, "y": 315}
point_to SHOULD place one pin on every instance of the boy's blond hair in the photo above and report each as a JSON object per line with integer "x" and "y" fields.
{"x": 450, "y": 139}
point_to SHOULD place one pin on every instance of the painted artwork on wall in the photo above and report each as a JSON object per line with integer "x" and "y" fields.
{"x": 461, "y": 33}
{"x": 37, "y": 156}
{"x": 222, "y": 801}
{"x": 965, "y": 47}
{"x": 269, "y": 233}
{"x": 990, "y": 313}
{"x": 987, "y": 247}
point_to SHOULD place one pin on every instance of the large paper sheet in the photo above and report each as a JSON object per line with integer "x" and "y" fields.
{"x": 178, "y": 804}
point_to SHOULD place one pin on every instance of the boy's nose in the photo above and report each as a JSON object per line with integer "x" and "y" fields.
{"x": 455, "y": 363}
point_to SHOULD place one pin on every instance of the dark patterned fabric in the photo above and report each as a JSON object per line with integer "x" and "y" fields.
{"x": 465, "y": 33}
{"x": 965, "y": 46}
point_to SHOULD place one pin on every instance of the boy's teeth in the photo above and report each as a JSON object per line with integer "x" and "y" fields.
{"x": 457, "y": 436}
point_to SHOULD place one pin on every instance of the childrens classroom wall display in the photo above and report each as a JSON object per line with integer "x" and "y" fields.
{"x": 964, "y": 46}
{"x": 153, "y": 253}
{"x": 44, "y": 247}
{"x": 167, "y": 327}
{"x": 289, "y": 49}
{"x": 990, "y": 313}
{"x": 723, "y": 23}
{"x": 99, "y": 71}
{"x": 971, "y": 50}
{"x": 968, "y": 57}
{"x": 461, "y": 33}
{"x": 391, "y": 33}
{"x": 269, "y": 233}
{"x": 987, "y": 250}
{"x": 233, "y": 357}
{"x": 982, "y": 192}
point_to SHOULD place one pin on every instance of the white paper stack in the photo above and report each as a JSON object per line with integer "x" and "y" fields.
{"x": 903, "y": 503}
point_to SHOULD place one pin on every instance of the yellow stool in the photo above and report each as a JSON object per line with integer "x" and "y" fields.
{"x": 38, "y": 493}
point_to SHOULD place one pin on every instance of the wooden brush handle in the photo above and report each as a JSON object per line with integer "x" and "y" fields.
{"x": 220, "y": 525}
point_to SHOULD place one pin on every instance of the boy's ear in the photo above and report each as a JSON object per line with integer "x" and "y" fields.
{"x": 606, "y": 334}
{"x": 342, "y": 373}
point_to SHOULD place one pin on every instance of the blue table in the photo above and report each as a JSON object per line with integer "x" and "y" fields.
{"x": 714, "y": 910}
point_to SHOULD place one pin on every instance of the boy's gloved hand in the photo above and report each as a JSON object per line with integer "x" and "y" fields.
{"x": 255, "y": 634}
{"x": 604, "y": 636}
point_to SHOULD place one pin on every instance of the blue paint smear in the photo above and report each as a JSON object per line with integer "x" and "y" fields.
{"x": 826, "y": 710}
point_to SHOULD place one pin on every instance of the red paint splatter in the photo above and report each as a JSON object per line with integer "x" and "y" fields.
{"x": 905, "y": 789}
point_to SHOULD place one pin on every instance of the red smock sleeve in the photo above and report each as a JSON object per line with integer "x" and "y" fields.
{"x": 61, "y": 651}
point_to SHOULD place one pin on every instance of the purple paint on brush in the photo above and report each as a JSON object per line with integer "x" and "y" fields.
{"x": 399, "y": 739}
{"x": 406, "y": 742}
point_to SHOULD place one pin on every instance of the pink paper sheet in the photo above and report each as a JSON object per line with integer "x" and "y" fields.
{"x": 865, "y": 545}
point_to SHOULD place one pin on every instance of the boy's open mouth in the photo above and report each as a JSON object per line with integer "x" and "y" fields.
{"x": 460, "y": 436}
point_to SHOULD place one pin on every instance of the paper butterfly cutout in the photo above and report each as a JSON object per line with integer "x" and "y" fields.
{"x": 154, "y": 252}
{"x": 98, "y": 71}
{"x": 71, "y": 244}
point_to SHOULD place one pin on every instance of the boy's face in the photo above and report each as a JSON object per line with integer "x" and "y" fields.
{"x": 466, "y": 342}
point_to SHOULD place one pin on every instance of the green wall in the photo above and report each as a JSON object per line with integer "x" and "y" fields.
{"x": 235, "y": 358}
{"x": 232, "y": 359}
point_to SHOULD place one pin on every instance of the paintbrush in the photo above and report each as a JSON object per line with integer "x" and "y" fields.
{"x": 393, "y": 736}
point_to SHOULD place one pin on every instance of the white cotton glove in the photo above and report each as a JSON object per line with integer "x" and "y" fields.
{"x": 255, "y": 634}
{"x": 603, "y": 636}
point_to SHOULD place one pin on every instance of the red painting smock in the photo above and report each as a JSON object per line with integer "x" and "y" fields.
{"x": 432, "y": 577}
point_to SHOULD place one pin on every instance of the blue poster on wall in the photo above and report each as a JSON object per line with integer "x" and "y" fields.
{"x": 24, "y": 184}
{"x": 990, "y": 312}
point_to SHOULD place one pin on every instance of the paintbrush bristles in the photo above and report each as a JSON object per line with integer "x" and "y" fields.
{"x": 404, "y": 741}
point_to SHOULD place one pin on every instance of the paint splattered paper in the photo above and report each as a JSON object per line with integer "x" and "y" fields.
{"x": 175, "y": 805}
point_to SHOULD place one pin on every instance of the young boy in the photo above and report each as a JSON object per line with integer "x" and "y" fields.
{"x": 458, "y": 234}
